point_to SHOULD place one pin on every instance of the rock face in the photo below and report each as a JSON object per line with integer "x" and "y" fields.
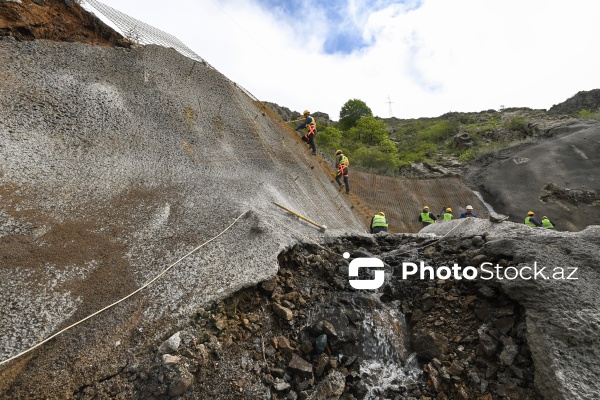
{"x": 553, "y": 177}
{"x": 58, "y": 20}
{"x": 556, "y": 284}
{"x": 115, "y": 164}
{"x": 584, "y": 100}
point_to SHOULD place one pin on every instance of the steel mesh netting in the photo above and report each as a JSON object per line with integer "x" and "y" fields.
{"x": 403, "y": 199}
{"x": 142, "y": 33}
{"x": 201, "y": 137}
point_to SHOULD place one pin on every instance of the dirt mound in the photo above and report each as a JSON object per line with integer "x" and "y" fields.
{"x": 58, "y": 20}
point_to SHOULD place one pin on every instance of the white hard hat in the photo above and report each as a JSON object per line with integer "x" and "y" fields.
{"x": 469, "y": 207}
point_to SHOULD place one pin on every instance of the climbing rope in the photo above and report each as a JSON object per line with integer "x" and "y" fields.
{"x": 457, "y": 225}
{"x": 126, "y": 297}
{"x": 435, "y": 240}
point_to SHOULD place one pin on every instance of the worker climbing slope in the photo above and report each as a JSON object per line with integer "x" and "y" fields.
{"x": 342, "y": 163}
{"x": 310, "y": 124}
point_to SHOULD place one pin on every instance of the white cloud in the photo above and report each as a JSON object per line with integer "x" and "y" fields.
{"x": 445, "y": 55}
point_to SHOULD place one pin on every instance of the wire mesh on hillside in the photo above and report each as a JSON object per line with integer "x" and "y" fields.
{"x": 141, "y": 33}
{"x": 403, "y": 199}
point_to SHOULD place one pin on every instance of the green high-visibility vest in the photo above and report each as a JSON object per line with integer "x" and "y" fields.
{"x": 529, "y": 223}
{"x": 426, "y": 218}
{"x": 448, "y": 216}
{"x": 343, "y": 160}
{"x": 378, "y": 220}
{"x": 547, "y": 224}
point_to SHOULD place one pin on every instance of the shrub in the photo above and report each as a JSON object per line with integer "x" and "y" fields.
{"x": 517, "y": 124}
{"x": 586, "y": 114}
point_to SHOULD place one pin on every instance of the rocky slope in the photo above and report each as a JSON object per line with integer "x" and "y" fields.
{"x": 116, "y": 163}
{"x": 307, "y": 334}
{"x": 584, "y": 100}
{"x": 58, "y": 20}
{"x": 555, "y": 177}
{"x": 119, "y": 163}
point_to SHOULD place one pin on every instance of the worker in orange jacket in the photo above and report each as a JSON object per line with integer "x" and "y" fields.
{"x": 342, "y": 163}
{"x": 310, "y": 124}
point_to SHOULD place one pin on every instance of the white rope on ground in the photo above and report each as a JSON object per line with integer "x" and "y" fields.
{"x": 438, "y": 239}
{"x": 457, "y": 225}
{"x": 126, "y": 297}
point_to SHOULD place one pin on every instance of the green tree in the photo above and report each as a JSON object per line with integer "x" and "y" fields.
{"x": 352, "y": 111}
{"x": 369, "y": 131}
{"x": 374, "y": 160}
{"x": 329, "y": 137}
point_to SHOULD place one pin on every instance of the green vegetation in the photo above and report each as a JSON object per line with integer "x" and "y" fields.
{"x": 586, "y": 114}
{"x": 390, "y": 146}
{"x": 352, "y": 111}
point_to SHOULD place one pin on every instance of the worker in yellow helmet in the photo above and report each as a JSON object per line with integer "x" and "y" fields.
{"x": 342, "y": 163}
{"x": 546, "y": 223}
{"x": 310, "y": 124}
{"x": 379, "y": 223}
{"x": 427, "y": 217}
{"x": 531, "y": 221}
{"x": 447, "y": 216}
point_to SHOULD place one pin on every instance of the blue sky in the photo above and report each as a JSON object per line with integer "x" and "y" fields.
{"x": 427, "y": 57}
{"x": 343, "y": 20}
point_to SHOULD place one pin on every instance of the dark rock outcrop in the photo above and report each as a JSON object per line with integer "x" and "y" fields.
{"x": 583, "y": 100}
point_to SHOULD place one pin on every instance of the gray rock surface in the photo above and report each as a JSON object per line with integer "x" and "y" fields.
{"x": 115, "y": 164}
{"x": 561, "y": 301}
{"x": 555, "y": 177}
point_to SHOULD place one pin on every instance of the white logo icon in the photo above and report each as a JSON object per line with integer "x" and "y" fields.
{"x": 365, "y": 263}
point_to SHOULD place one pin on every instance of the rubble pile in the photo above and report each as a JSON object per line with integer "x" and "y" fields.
{"x": 307, "y": 334}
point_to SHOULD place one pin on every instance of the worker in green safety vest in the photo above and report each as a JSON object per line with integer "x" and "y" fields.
{"x": 379, "y": 223}
{"x": 447, "y": 216}
{"x": 426, "y": 217}
{"x": 546, "y": 223}
{"x": 531, "y": 221}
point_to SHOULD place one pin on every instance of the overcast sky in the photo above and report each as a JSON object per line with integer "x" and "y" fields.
{"x": 427, "y": 57}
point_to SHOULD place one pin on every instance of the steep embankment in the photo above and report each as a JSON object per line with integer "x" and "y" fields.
{"x": 556, "y": 177}
{"x": 116, "y": 163}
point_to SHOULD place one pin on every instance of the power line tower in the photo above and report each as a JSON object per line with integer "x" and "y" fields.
{"x": 389, "y": 102}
